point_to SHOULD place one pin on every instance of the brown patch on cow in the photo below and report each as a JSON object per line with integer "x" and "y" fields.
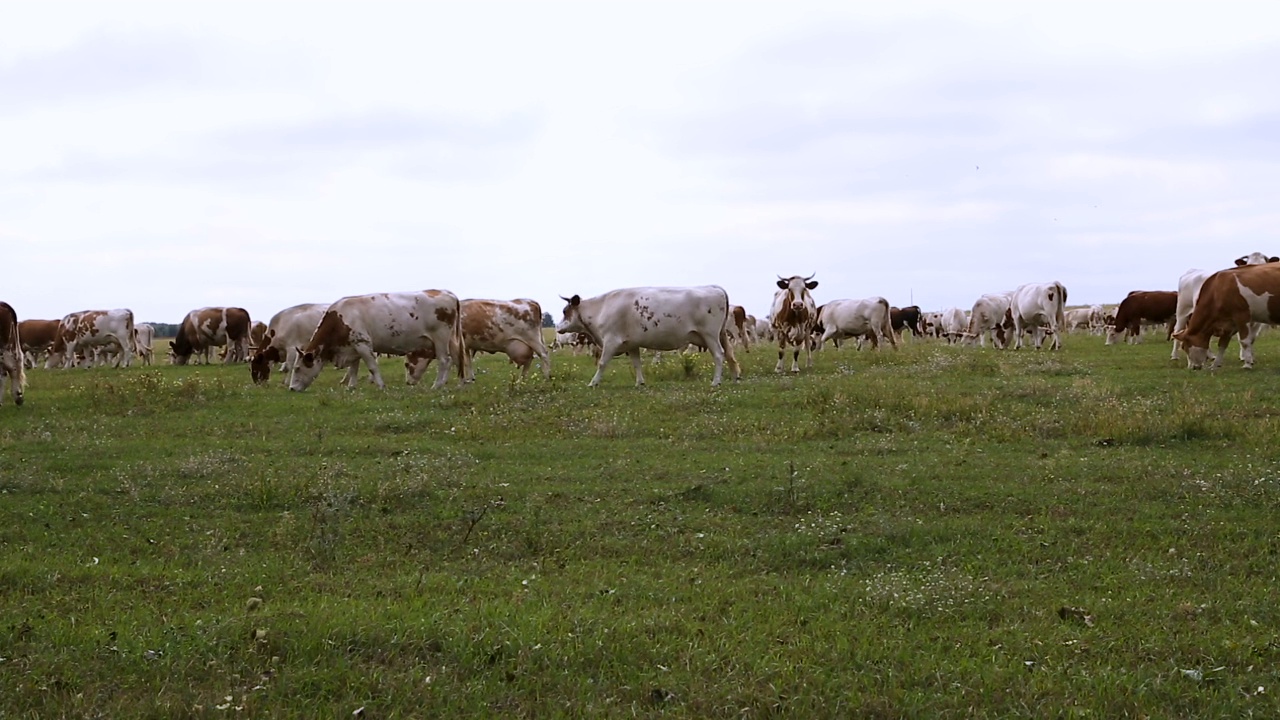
{"x": 445, "y": 315}
{"x": 332, "y": 333}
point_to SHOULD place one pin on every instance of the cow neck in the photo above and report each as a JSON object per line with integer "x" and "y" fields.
{"x": 595, "y": 337}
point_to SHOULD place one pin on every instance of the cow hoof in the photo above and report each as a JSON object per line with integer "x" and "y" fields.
{"x": 18, "y": 400}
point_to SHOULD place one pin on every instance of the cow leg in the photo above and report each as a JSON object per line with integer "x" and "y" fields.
{"x": 1223, "y": 341}
{"x": 607, "y": 351}
{"x": 782, "y": 351}
{"x": 371, "y": 361}
{"x": 1246, "y": 345}
{"x": 636, "y": 365}
{"x": 795, "y": 360}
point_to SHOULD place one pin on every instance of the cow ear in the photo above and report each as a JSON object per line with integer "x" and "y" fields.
{"x": 1273, "y": 259}
{"x": 811, "y": 284}
{"x": 782, "y": 284}
{"x": 575, "y": 301}
{"x": 1240, "y": 262}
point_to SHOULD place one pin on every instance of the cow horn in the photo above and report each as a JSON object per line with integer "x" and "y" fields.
{"x": 810, "y": 277}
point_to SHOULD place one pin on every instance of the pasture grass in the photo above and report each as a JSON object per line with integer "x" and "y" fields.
{"x": 932, "y": 532}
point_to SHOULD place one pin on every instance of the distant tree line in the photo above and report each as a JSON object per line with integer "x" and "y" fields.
{"x": 547, "y": 320}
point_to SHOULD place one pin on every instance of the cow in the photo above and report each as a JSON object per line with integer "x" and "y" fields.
{"x": 738, "y": 328}
{"x": 81, "y": 333}
{"x": 1139, "y": 307}
{"x": 1077, "y": 319}
{"x": 1230, "y": 302}
{"x": 13, "y": 368}
{"x": 144, "y": 335}
{"x": 1255, "y": 258}
{"x": 954, "y": 325}
{"x": 1189, "y": 289}
{"x": 287, "y": 331}
{"x": 513, "y": 327}
{"x": 257, "y": 336}
{"x": 764, "y": 330}
{"x": 658, "y": 318}
{"x": 987, "y": 318}
{"x": 354, "y": 328}
{"x": 794, "y": 314}
{"x": 37, "y": 338}
{"x": 1034, "y": 305}
{"x": 205, "y": 328}
{"x": 908, "y": 317}
{"x": 868, "y": 317}
{"x": 1097, "y": 320}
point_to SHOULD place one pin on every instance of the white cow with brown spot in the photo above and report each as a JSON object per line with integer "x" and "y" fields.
{"x": 512, "y": 327}
{"x": 793, "y": 315}
{"x": 866, "y": 317}
{"x": 287, "y": 331}
{"x": 206, "y": 328}
{"x": 1035, "y": 306}
{"x": 627, "y": 320}
{"x": 355, "y": 328}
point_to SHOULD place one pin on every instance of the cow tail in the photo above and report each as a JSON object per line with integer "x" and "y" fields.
{"x": 1062, "y": 306}
{"x": 887, "y": 325}
{"x": 727, "y": 344}
{"x": 463, "y": 359}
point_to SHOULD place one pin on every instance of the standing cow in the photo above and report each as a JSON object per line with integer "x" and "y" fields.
{"x": 513, "y": 327}
{"x": 1143, "y": 306}
{"x": 988, "y": 318}
{"x": 12, "y": 364}
{"x": 658, "y": 318}
{"x": 1035, "y": 305}
{"x": 794, "y": 314}
{"x": 868, "y": 317}
{"x": 82, "y": 333}
{"x": 355, "y": 328}
{"x": 205, "y": 328}
{"x": 37, "y": 337}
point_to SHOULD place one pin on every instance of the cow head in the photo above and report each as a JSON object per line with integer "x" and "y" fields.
{"x": 260, "y": 363}
{"x": 572, "y": 320}
{"x": 797, "y": 289}
{"x": 1255, "y": 258}
{"x": 416, "y": 362}
{"x": 305, "y": 370}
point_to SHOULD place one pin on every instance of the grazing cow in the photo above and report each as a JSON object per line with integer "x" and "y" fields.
{"x": 12, "y": 365}
{"x": 908, "y": 317}
{"x": 1097, "y": 320}
{"x": 354, "y": 328}
{"x": 257, "y": 336}
{"x": 1189, "y": 289}
{"x": 954, "y": 325}
{"x": 1230, "y": 302}
{"x": 574, "y": 341}
{"x": 657, "y": 318}
{"x": 1139, "y": 307}
{"x": 144, "y": 335}
{"x": 869, "y": 317}
{"x": 988, "y": 318}
{"x": 513, "y": 327}
{"x": 1034, "y": 305}
{"x": 209, "y": 327}
{"x": 37, "y": 338}
{"x": 85, "y": 331}
{"x": 287, "y": 331}
{"x": 794, "y": 314}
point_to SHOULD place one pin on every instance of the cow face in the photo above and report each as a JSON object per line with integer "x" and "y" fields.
{"x": 1255, "y": 258}
{"x": 572, "y": 320}
{"x": 797, "y": 289}
{"x": 305, "y": 371}
{"x": 416, "y": 363}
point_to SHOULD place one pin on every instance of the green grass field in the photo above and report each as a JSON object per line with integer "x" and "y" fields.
{"x": 932, "y": 532}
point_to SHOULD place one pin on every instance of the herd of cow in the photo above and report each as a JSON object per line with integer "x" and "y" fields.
{"x": 432, "y": 325}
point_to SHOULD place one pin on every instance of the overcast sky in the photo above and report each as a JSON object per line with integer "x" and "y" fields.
{"x": 168, "y": 156}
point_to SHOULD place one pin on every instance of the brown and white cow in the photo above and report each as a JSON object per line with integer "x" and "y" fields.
{"x": 12, "y": 365}
{"x": 794, "y": 314}
{"x": 740, "y": 331}
{"x": 1230, "y": 302}
{"x": 1256, "y": 258}
{"x": 1140, "y": 307}
{"x": 37, "y": 338}
{"x": 257, "y": 336}
{"x": 909, "y": 318}
{"x": 287, "y": 331}
{"x": 657, "y": 318}
{"x": 513, "y": 327}
{"x": 1189, "y": 289}
{"x": 355, "y": 328}
{"x": 205, "y": 328}
{"x": 1034, "y": 306}
{"x": 80, "y": 334}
